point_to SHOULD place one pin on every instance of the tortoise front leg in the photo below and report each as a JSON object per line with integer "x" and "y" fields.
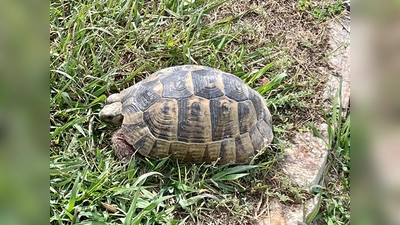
{"x": 122, "y": 148}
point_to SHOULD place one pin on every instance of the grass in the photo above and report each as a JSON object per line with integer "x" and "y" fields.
{"x": 338, "y": 205}
{"x": 101, "y": 47}
{"x": 336, "y": 194}
{"x": 322, "y": 10}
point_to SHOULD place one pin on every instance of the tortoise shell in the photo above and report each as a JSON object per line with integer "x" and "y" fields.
{"x": 195, "y": 114}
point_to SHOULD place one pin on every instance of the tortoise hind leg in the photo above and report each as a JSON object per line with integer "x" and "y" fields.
{"x": 122, "y": 148}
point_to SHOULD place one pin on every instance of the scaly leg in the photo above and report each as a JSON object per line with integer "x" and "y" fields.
{"x": 122, "y": 148}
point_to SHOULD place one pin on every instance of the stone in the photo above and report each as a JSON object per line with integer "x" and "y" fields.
{"x": 280, "y": 214}
{"x": 305, "y": 160}
{"x": 339, "y": 60}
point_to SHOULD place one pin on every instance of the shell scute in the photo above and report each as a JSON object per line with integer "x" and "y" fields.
{"x": 224, "y": 119}
{"x": 194, "y": 124}
{"x": 162, "y": 119}
{"x": 235, "y": 88}
{"x": 177, "y": 85}
{"x": 207, "y": 84}
{"x": 148, "y": 94}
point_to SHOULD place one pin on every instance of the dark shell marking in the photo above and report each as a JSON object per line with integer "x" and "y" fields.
{"x": 196, "y": 114}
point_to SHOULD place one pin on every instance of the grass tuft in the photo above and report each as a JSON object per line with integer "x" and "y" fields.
{"x": 337, "y": 206}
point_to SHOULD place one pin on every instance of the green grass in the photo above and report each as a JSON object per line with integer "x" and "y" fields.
{"x": 101, "y": 47}
{"x": 338, "y": 205}
{"x": 336, "y": 194}
{"x": 323, "y": 9}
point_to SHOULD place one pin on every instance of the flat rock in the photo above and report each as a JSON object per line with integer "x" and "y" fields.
{"x": 280, "y": 214}
{"x": 339, "y": 60}
{"x": 304, "y": 163}
{"x": 305, "y": 160}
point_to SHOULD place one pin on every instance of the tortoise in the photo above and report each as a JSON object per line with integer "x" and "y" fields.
{"x": 194, "y": 114}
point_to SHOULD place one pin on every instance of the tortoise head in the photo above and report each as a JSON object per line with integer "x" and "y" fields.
{"x": 112, "y": 111}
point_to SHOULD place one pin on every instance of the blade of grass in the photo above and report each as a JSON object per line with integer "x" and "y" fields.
{"x": 74, "y": 193}
{"x": 272, "y": 84}
{"x": 260, "y": 73}
{"x": 233, "y": 170}
{"x": 193, "y": 200}
{"x": 143, "y": 177}
{"x": 138, "y": 219}
{"x": 132, "y": 208}
{"x": 58, "y": 130}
